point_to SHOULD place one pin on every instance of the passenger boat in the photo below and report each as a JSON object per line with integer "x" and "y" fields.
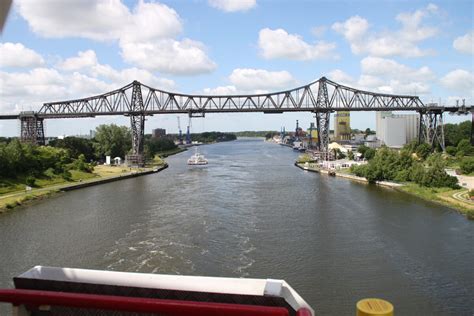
{"x": 64, "y": 291}
{"x": 197, "y": 159}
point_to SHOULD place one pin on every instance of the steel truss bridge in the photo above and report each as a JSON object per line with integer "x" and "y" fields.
{"x": 321, "y": 97}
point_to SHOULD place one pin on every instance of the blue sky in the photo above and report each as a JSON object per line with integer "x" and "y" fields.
{"x": 54, "y": 50}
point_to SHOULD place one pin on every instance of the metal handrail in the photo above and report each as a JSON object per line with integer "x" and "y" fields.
{"x": 138, "y": 304}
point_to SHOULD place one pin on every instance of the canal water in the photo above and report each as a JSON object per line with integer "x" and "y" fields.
{"x": 251, "y": 213}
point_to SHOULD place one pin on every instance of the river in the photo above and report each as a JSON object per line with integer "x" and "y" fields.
{"x": 251, "y": 213}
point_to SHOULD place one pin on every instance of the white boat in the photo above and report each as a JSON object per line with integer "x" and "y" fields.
{"x": 197, "y": 159}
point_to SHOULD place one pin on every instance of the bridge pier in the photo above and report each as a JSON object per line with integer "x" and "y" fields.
{"x": 32, "y": 128}
{"x": 432, "y": 129}
{"x": 137, "y": 122}
{"x": 323, "y": 118}
{"x": 322, "y": 125}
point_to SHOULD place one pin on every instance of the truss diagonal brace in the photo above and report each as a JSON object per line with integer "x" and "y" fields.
{"x": 137, "y": 121}
{"x": 431, "y": 129}
{"x": 322, "y": 124}
{"x": 32, "y": 128}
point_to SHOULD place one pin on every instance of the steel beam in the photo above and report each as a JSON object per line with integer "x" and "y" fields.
{"x": 32, "y": 128}
{"x": 137, "y": 121}
{"x": 432, "y": 129}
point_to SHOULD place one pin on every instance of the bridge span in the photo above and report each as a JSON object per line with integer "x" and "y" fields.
{"x": 321, "y": 97}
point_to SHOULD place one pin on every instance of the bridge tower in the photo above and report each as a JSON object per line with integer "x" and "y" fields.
{"x": 32, "y": 128}
{"x": 431, "y": 128}
{"x": 137, "y": 121}
{"x": 322, "y": 118}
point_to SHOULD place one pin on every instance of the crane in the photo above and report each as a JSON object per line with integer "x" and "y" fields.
{"x": 188, "y": 135}
{"x": 180, "y": 135}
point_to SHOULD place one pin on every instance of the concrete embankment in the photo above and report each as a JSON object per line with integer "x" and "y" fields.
{"x": 314, "y": 168}
{"x": 13, "y": 200}
{"x": 112, "y": 179}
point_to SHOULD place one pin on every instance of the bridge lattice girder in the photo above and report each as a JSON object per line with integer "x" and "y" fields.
{"x": 306, "y": 98}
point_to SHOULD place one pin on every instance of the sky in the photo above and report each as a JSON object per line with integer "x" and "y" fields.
{"x": 52, "y": 50}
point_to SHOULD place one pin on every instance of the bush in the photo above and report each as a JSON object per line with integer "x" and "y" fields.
{"x": 465, "y": 146}
{"x": 451, "y": 150}
{"x": 467, "y": 165}
{"x": 423, "y": 150}
{"x": 66, "y": 175}
{"x": 470, "y": 214}
{"x": 30, "y": 181}
{"x": 369, "y": 153}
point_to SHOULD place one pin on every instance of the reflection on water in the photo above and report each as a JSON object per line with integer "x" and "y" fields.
{"x": 251, "y": 213}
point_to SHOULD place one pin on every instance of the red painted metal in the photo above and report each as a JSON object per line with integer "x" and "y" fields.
{"x": 303, "y": 312}
{"x": 137, "y": 304}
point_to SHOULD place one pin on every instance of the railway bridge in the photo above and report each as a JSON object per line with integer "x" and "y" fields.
{"x": 321, "y": 97}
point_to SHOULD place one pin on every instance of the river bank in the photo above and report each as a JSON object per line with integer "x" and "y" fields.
{"x": 103, "y": 174}
{"x": 442, "y": 196}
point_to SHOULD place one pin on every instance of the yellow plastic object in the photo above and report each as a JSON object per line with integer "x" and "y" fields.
{"x": 374, "y": 306}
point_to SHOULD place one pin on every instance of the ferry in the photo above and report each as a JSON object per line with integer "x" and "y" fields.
{"x": 197, "y": 159}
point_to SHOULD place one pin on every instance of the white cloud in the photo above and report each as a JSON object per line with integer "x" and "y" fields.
{"x": 376, "y": 66}
{"x": 186, "y": 57}
{"x": 465, "y": 43}
{"x": 84, "y": 59}
{"x": 254, "y": 81}
{"x": 259, "y": 79}
{"x": 388, "y": 76}
{"x": 36, "y": 86}
{"x": 145, "y": 34}
{"x": 461, "y": 81}
{"x": 319, "y": 31}
{"x": 17, "y": 55}
{"x": 403, "y": 42}
{"x": 233, "y": 5}
{"x": 341, "y": 77}
{"x": 279, "y": 44}
{"x": 99, "y": 20}
{"x": 222, "y": 90}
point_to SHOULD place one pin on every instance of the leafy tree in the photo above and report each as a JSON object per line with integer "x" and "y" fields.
{"x": 362, "y": 149}
{"x": 76, "y": 147}
{"x": 155, "y": 145}
{"x": 454, "y": 133}
{"x": 112, "y": 140}
{"x": 467, "y": 165}
{"x": 464, "y": 146}
{"x": 369, "y": 153}
{"x": 451, "y": 150}
{"x": 30, "y": 181}
{"x": 423, "y": 150}
{"x": 369, "y": 132}
{"x": 350, "y": 155}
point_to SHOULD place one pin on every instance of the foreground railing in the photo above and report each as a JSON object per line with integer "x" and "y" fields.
{"x": 23, "y": 300}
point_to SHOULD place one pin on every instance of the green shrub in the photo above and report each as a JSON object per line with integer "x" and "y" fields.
{"x": 66, "y": 175}
{"x": 470, "y": 214}
{"x": 30, "y": 181}
{"x": 467, "y": 165}
{"x": 451, "y": 150}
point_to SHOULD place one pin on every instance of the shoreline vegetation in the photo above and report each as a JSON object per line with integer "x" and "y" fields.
{"x": 452, "y": 198}
{"x": 101, "y": 174}
{"x": 30, "y": 173}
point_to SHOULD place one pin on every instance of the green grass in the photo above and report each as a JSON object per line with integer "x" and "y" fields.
{"x": 440, "y": 195}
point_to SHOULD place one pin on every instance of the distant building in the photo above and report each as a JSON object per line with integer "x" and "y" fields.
{"x": 158, "y": 132}
{"x": 396, "y": 130}
{"x": 91, "y": 133}
{"x": 342, "y": 125}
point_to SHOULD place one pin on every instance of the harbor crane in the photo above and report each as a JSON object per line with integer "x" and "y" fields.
{"x": 180, "y": 133}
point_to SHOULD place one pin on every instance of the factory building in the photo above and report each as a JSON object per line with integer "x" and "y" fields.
{"x": 396, "y": 130}
{"x": 342, "y": 126}
{"x": 158, "y": 132}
